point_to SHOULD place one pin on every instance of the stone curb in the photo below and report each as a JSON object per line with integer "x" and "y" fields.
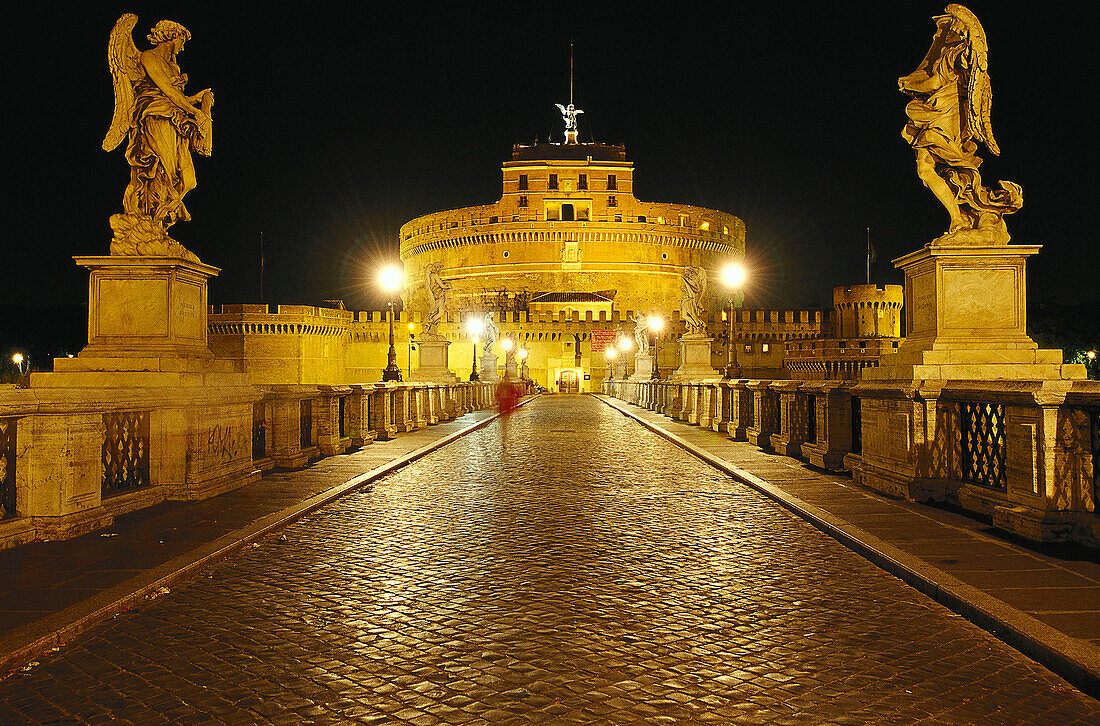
{"x": 1077, "y": 662}
{"x": 26, "y": 643}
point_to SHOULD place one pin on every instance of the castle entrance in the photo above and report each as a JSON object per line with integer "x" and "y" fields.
{"x": 569, "y": 382}
{"x": 567, "y": 213}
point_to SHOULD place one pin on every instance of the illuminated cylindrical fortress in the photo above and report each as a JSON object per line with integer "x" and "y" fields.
{"x": 567, "y": 231}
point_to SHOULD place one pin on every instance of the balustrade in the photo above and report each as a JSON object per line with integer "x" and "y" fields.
{"x": 7, "y": 467}
{"x": 125, "y": 451}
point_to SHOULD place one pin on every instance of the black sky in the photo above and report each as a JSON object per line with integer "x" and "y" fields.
{"x": 336, "y": 123}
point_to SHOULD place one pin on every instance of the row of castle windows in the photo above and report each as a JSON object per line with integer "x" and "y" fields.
{"x": 582, "y": 182}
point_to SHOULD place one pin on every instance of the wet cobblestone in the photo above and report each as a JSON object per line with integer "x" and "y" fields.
{"x": 566, "y": 566}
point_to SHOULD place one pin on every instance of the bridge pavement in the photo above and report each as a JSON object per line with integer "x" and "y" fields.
{"x": 563, "y": 566}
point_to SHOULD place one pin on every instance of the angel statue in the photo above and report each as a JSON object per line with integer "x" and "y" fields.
{"x": 694, "y": 286}
{"x": 162, "y": 126}
{"x": 569, "y": 115}
{"x": 438, "y": 289}
{"x": 948, "y": 116}
{"x": 641, "y": 334}
{"x": 491, "y": 332}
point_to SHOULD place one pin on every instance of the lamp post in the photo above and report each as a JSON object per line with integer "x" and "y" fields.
{"x": 609, "y": 352}
{"x": 412, "y": 337}
{"x": 474, "y": 326}
{"x": 625, "y": 344}
{"x": 391, "y": 280}
{"x": 18, "y": 359}
{"x": 509, "y": 356}
{"x": 733, "y": 277}
{"x": 522, "y": 353}
{"x": 655, "y": 323}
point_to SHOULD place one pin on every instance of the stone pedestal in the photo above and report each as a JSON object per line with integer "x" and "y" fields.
{"x": 435, "y": 366}
{"x": 510, "y": 371}
{"x": 966, "y": 344}
{"x": 694, "y": 358}
{"x": 146, "y": 307}
{"x": 643, "y": 367}
{"x": 487, "y": 370}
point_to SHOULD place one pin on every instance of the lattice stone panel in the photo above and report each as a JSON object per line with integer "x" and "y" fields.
{"x": 7, "y": 467}
{"x": 259, "y": 430}
{"x": 982, "y": 426}
{"x": 340, "y": 413}
{"x": 125, "y": 451}
{"x": 809, "y": 406}
{"x": 745, "y": 407}
{"x": 305, "y": 423}
{"x": 770, "y": 421}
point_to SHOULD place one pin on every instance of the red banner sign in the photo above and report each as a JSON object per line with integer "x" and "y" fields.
{"x": 602, "y": 339}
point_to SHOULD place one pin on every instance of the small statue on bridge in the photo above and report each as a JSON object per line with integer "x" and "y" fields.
{"x": 491, "y": 331}
{"x": 694, "y": 287}
{"x": 162, "y": 126}
{"x": 438, "y": 292}
{"x": 641, "y": 334}
{"x": 948, "y": 116}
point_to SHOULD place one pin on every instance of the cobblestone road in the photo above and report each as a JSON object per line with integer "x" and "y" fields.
{"x": 568, "y": 567}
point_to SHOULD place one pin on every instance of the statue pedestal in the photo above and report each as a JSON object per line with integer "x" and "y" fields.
{"x": 966, "y": 349}
{"x": 487, "y": 370}
{"x": 142, "y": 308}
{"x": 643, "y": 367}
{"x": 147, "y": 389}
{"x": 510, "y": 372}
{"x": 966, "y": 319}
{"x": 434, "y": 360}
{"x": 694, "y": 358}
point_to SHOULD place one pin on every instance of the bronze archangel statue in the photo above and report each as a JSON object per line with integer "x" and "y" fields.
{"x": 948, "y": 116}
{"x": 162, "y": 126}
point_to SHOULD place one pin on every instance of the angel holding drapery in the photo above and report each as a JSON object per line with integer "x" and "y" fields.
{"x": 949, "y": 115}
{"x": 162, "y": 126}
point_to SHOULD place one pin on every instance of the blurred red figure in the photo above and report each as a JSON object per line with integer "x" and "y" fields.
{"x": 508, "y": 395}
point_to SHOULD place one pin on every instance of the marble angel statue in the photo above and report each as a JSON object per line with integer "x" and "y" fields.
{"x": 491, "y": 332}
{"x": 641, "y": 334}
{"x": 949, "y": 115}
{"x": 162, "y": 125}
{"x": 694, "y": 287}
{"x": 438, "y": 290}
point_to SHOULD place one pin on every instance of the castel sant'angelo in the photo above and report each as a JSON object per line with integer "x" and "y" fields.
{"x": 565, "y": 261}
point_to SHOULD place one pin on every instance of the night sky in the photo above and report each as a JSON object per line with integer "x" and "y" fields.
{"x": 334, "y": 125}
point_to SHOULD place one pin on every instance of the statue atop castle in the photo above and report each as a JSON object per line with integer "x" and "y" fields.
{"x": 569, "y": 115}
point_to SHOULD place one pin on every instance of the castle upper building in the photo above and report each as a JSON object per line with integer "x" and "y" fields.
{"x": 567, "y": 235}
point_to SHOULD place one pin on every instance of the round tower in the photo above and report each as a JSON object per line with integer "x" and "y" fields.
{"x": 868, "y": 311}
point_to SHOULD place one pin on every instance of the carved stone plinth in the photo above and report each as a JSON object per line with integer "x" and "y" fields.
{"x": 694, "y": 358}
{"x": 643, "y": 367}
{"x": 142, "y": 308}
{"x": 487, "y": 371}
{"x": 435, "y": 364}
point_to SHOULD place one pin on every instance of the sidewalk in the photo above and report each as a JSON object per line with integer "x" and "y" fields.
{"x": 1042, "y": 600}
{"x": 52, "y": 591}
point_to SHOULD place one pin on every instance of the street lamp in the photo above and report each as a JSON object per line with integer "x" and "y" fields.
{"x": 412, "y": 337}
{"x": 522, "y": 353}
{"x": 509, "y": 356}
{"x": 655, "y": 323}
{"x": 609, "y": 352}
{"x": 17, "y": 359}
{"x": 390, "y": 279}
{"x": 474, "y": 326}
{"x": 733, "y": 277}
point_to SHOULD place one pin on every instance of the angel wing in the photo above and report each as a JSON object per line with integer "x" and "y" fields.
{"x": 979, "y": 92}
{"x": 122, "y": 59}
{"x": 562, "y": 109}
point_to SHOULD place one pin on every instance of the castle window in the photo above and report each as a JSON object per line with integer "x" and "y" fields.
{"x": 764, "y": 347}
{"x": 611, "y": 202}
{"x": 748, "y": 347}
{"x": 641, "y": 217}
{"x": 618, "y": 217}
{"x": 567, "y": 212}
{"x": 582, "y": 182}
{"x": 505, "y": 253}
{"x": 522, "y": 182}
{"x": 612, "y": 182}
{"x": 523, "y": 200}
{"x": 553, "y": 183}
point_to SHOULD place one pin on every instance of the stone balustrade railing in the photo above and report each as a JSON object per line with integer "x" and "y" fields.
{"x": 1021, "y": 457}
{"x": 72, "y": 462}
